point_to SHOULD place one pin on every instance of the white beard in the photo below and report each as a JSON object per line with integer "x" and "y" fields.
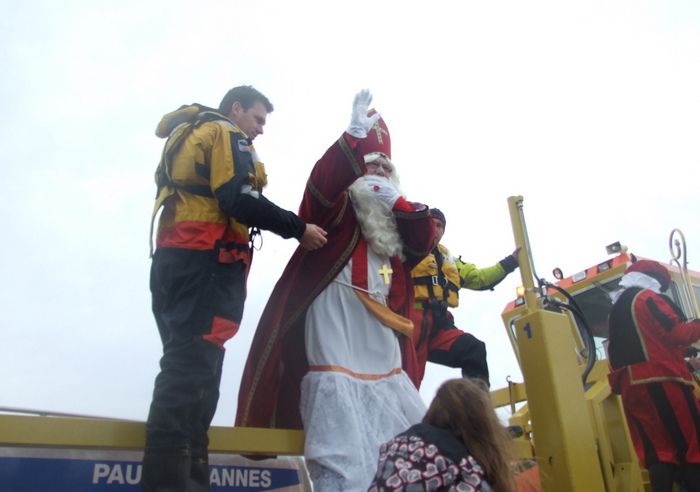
{"x": 376, "y": 221}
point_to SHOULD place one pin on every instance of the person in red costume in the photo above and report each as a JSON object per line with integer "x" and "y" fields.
{"x": 647, "y": 345}
{"x": 333, "y": 351}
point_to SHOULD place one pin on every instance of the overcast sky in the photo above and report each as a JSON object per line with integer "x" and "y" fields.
{"x": 589, "y": 110}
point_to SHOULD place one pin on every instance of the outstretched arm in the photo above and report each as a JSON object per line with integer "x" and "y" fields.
{"x": 474, "y": 278}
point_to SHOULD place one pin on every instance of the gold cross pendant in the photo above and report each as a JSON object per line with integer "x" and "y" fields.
{"x": 385, "y": 271}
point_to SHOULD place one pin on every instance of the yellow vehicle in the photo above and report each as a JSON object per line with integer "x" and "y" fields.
{"x": 574, "y": 434}
{"x": 574, "y": 428}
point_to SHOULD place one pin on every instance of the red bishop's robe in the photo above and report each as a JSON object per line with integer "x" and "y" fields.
{"x": 270, "y": 387}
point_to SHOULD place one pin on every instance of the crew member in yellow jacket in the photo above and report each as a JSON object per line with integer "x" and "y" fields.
{"x": 437, "y": 280}
{"x": 210, "y": 198}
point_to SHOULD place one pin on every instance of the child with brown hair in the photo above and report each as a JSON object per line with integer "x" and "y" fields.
{"x": 459, "y": 445}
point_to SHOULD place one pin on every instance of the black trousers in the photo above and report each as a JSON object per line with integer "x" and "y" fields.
{"x": 198, "y": 304}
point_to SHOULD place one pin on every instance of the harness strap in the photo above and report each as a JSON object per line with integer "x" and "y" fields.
{"x": 436, "y": 280}
{"x": 199, "y": 190}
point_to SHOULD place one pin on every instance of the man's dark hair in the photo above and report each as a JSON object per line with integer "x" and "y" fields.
{"x": 246, "y": 95}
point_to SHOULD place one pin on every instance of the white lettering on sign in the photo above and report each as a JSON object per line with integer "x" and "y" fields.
{"x": 240, "y": 477}
{"x": 232, "y": 477}
{"x": 105, "y": 473}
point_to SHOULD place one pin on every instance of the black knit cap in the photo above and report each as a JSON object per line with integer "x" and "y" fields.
{"x": 436, "y": 213}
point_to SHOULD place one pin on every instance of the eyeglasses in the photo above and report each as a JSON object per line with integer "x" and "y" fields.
{"x": 376, "y": 165}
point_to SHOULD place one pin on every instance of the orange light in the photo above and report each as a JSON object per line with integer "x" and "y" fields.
{"x": 520, "y": 291}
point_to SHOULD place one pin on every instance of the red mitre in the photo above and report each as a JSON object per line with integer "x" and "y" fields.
{"x": 378, "y": 140}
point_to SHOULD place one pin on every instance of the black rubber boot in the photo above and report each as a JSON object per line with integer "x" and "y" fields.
{"x": 166, "y": 471}
{"x": 199, "y": 471}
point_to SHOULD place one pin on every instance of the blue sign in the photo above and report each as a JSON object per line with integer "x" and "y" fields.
{"x": 86, "y": 475}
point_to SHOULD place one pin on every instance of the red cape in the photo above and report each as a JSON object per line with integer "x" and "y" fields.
{"x": 270, "y": 387}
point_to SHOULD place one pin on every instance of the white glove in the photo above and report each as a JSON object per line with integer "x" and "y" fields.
{"x": 383, "y": 189}
{"x": 360, "y": 123}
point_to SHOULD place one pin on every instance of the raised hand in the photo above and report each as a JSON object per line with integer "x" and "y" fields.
{"x": 360, "y": 123}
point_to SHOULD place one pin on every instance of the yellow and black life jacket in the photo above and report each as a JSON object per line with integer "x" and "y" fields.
{"x": 436, "y": 279}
